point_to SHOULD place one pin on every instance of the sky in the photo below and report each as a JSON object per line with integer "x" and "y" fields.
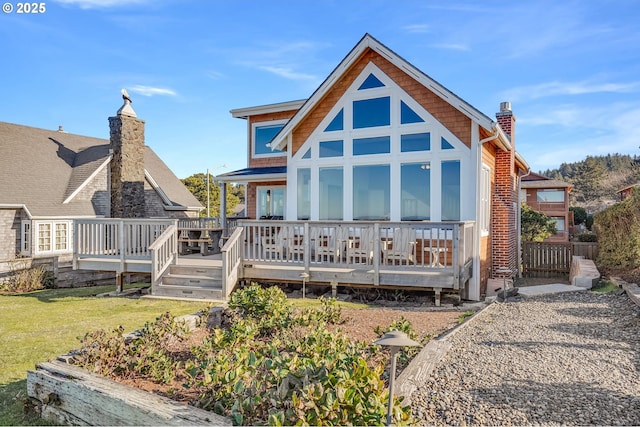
{"x": 571, "y": 69}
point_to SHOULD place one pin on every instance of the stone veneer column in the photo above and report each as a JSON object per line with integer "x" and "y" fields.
{"x": 127, "y": 164}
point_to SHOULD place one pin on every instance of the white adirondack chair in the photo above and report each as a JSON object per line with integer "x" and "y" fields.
{"x": 402, "y": 248}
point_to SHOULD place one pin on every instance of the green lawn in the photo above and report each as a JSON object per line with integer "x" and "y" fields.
{"x": 42, "y": 325}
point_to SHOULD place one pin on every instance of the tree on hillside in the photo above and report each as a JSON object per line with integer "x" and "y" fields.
{"x": 535, "y": 226}
{"x": 587, "y": 180}
{"x": 197, "y": 184}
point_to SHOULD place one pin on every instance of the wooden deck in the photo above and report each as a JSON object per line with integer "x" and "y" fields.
{"x": 404, "y": 255}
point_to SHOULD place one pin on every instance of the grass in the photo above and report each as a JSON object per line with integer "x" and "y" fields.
{"x": 605, "y": 286}
{"x": 41, "y": 325}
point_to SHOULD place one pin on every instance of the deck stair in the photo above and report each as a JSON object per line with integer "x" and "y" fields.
{"x": 192, "y": 282}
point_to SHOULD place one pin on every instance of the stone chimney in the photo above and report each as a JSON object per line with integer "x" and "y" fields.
{"x": 505, "y": 208}
{"x": 127, "y": 164}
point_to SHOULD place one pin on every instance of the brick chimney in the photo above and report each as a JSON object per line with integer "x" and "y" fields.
{"x": 505, "y": 199}
{"x": 127, "y": 164}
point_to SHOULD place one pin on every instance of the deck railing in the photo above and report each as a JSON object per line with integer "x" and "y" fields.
{"x": 232, "y": 261}
{"x": 407, "y": 246}
{"x": 204, "y": 223}
{"x": 117, "y": 238}
{"x": 163, "y": 253}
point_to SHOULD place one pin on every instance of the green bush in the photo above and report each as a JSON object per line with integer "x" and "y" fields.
{"x": 618, "y": 231}
{"x": 586, "y": 237}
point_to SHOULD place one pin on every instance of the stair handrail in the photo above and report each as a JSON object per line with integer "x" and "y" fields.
{"x": 232, "y": 254}
{"x": 164, "y": 252}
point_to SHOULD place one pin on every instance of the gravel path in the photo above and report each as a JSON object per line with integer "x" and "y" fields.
{"x": 571, "y": 359}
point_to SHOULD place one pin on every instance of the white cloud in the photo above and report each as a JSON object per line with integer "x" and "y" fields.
{"x": 286, "y": 72}
{"x": 151, "y": 91}
{"x": 556, "y": 88}
{"x": 452, "y": 46}
{"x": 416, "y": 28}
{"x": 91, "y": 4}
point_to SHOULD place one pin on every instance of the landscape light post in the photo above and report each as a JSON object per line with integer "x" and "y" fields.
{"x": 396, "y": 341}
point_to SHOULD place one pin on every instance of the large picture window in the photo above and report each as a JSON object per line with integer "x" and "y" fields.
{"x": 371, "y": 192}
{"x": 304, "y": 193}
{"x": 372, "y": 112}
{"x": 550, "y": 196}
{"x": 331, "y": 182}
{"x": 451, "y": 190}
{"x": 415, "y": 182}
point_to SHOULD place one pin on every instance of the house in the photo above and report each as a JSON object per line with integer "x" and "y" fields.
{"x": 626, "y": 191}
{"x": 381, "y": 147}
{"x": 50, "y": 178}
{"x": 551, "y": 197}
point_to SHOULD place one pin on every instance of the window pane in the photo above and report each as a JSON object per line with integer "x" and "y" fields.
{"x": 415, "y": 142}
{"x": 331, "y": 148}
{"x": 304, "y": 193}
{"x": 337, "y": 123}
{"x": 263, "y": 136}
{"x": 407, "y": 115}
{"x": 415, "y": 191}
{"x": 377, "y": 145}
{"x": 451, "y": 190}
{"x": 445, "y": 145}
{"x": 372, "y": 112}
{"x": 270, "y": 202}
{"x": 331, "y": 189}
{"x": 61, "y": 237}
{"x": 371, "y": 195}
{"x": 44, "y": 237}
{"x": 307, "y": 155}
{"x": 550, "y": 196}
{"x": 371, "y": 82}
{"x": 559, "y": 223}
{"x": 485, "y": 200}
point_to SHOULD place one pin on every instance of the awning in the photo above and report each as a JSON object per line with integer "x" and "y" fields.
{"x": 271, "y": 173}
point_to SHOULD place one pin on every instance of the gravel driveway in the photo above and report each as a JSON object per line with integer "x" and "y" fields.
{"x": 571, "y": 358}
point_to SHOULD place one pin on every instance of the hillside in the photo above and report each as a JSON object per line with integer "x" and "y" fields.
{"x": 596, "y": 179}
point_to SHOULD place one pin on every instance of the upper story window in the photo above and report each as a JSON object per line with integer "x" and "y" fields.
{"x": 550, "y": 196}
{"x": 372, "y": 112}
{"x": 263, "y": 134}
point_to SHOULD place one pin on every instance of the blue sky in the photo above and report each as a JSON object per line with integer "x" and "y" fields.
{"x": 571, "y": 69}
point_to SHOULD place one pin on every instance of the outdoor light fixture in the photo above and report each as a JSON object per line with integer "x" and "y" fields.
{"x": 304, "y": 277}
{"x": 396, "y": 341}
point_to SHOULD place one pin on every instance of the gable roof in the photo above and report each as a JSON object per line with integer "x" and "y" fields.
{"x": 369, "y": 42}
{"x": 44, "y": 169}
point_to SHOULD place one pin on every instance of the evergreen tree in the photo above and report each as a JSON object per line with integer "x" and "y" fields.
{"x": 535, "y": 226}
{"x": 197, "y": 185}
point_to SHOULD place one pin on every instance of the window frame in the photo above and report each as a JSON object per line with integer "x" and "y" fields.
{"x": 254, "y": 128}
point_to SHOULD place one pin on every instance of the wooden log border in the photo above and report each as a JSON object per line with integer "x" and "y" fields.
{"x": 69, "y": 395}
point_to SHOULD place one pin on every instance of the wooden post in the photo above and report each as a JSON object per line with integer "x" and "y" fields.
{"x": 437, "y": 297}
{"x": 334, "y": 289}
{"x": 119, "y": 281}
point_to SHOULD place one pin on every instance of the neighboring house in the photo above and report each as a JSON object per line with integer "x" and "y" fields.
{"x": 551, "y": 197}
{"x": 381, "y": 141}
{"x": 626, "y": 191}
{"x": 49, "y": 178}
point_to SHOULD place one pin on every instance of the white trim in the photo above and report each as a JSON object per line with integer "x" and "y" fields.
{"x": 395, "y": 158}
{"x": 156, "y": 187}
{"x": 243, "y": 113}
{"x": 252, "y": 144}
{"x": 88, "y": 180}
{"x": 16, "y": 206}
{"x": 369, "y": 42}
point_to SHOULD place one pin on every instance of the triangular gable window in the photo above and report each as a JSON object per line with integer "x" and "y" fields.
{"x": 407, "y": 115}
{"x": 445, "y": 145}
{"x": 337, "y": 123}
{"x": 307, "y": 155}
{"x": 371, "y": 82}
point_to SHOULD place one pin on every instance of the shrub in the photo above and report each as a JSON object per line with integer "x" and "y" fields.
{"x": 586, "y": 237}
{"x": 28, "y": 280}
{"x": 618, "y": 231}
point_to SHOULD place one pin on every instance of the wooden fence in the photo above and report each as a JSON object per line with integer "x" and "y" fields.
{"x": 547, "y": 259}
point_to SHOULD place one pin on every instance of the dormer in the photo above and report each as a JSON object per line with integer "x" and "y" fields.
{"x": 263, "y": 124}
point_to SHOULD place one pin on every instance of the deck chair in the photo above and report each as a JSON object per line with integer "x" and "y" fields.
{"x": 360, "y": 250}
{"x": 273, "y": 244}
{"x": 403, "y": 244}
{"x": 293, "y": 238}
